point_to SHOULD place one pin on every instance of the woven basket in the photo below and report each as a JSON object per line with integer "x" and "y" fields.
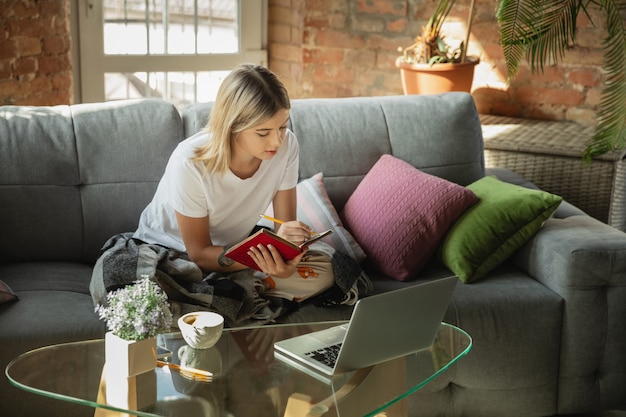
{"x": 549, "y": 154}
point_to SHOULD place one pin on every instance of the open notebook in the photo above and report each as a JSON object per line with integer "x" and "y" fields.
{"x": 288, "y": 250}
{"x": 383, "y": 327}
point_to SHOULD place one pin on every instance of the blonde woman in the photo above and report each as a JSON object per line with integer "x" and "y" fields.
{"x": 218, "y": 181}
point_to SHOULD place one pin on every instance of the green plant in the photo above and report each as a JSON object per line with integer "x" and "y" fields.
{"x": 542, "y": 30}
{"x": 430, "y": 46}
{"x": 137, "y": 311}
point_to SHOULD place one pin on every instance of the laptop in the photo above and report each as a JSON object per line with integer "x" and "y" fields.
{"x": 382, "y": 327}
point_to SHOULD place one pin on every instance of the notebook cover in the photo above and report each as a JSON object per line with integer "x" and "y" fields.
{"x": 239, "y": 252}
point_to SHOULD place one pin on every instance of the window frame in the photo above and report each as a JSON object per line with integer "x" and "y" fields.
{"x": 91, "y": 64}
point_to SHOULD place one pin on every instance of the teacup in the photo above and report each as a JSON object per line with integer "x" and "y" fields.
{"x": 201, "y": 329}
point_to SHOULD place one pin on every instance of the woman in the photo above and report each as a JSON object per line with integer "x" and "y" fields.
{"x": 219, "y": 180}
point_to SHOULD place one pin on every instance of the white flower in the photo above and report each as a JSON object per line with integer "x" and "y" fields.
{"x": 137, "y": 311}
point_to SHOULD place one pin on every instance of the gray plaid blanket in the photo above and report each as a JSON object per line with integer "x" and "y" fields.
{"x": 236, "y": 296}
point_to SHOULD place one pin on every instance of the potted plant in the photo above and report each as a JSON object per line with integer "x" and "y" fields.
{"x": 134, "y": 314}
{"x": 431, "y": 65}
{"x": 542, "y": 30}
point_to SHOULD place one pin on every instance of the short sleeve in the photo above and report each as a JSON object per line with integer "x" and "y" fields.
{"x": 184, "y": 182}
{"x": 290, "y": 179}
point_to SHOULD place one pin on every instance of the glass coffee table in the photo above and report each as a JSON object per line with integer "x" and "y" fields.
{"x": 247, "y": 379}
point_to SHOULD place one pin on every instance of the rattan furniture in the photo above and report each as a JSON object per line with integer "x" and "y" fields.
{"x": 548, "y": 153}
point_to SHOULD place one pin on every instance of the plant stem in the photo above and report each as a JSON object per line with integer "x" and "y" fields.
{"x": 470, "y": 19}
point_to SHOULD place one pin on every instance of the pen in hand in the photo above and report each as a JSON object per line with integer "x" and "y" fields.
{"x": 275, "y": 220}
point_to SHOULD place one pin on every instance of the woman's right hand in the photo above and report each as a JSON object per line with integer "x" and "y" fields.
{"x": 294, "y": 231}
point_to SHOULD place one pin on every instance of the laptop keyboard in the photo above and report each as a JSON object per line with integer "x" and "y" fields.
{"x": 326, "y": 355}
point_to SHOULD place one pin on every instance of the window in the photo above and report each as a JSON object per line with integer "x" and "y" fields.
{"x": 178, "y": 50}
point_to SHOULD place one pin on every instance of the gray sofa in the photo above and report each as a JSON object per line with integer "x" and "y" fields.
{"x": 548, "y": 324}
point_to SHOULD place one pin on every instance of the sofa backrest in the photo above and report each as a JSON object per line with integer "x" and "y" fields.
{"x": 73, "y": 176}
{"x": 344, "y": 137}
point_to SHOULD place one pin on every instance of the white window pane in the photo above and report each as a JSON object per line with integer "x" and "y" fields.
{"x": 179, "y": 88}
{"x": 170, "y": 27}
{"x": 220, "y": 40}
{"x": 116, "y": 38}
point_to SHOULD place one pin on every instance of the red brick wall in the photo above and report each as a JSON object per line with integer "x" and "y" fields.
{"x": 35, "y": 61}
{"x": 347, "y": 48}
{"x": 325, "y": 48}
{"x": 285, "y": 33}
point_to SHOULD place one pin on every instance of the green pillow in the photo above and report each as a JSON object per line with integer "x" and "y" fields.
{"x": 505, "y": 217}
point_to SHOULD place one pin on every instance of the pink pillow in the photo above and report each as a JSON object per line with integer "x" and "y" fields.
{"x": 399, "y": 215}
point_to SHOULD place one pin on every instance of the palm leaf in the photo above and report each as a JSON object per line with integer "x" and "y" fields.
{"x": 510, "y": 17}
{"x": 540, "y": 30}
{"x": 611, "y": 130}
{"x": 555, "y": 31}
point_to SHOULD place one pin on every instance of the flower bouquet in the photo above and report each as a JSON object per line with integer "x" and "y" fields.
{"x": 134, "y": 315}
{"x": 137, "y": 311}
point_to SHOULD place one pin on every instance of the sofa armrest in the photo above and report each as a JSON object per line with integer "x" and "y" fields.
{"x": 584, "y": 262}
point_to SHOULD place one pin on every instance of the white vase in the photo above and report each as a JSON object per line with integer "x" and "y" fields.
{"x": 131, "y": 393}
{"x": 127, "y": 357}
{"x": 129, "y": 372}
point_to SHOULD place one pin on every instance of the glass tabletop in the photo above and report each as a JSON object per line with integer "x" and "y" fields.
{"x": 247, "y": 379}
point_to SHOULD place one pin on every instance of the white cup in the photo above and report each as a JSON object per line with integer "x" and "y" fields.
{"x": 201, "y": 329}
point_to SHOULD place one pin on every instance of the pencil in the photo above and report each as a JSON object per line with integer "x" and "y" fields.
{"x": 275, "y": 220}
{"x": 271, "y": 219}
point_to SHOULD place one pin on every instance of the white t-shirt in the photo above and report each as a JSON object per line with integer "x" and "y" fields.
{"x": 232, "y": 204}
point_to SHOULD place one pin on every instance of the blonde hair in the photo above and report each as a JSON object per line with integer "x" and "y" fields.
{"x": 248, "y": 96}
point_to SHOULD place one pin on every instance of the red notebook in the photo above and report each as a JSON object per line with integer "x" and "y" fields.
{"x": 289, "y": 250}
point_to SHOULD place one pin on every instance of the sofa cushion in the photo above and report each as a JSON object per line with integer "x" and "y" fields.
{"x": 122, "y": 149}
{"x": 316, "y": 210}
{"x": 505, "y": 218}
{"x": 399, "y": 214}
{"x": 6, "y": 293}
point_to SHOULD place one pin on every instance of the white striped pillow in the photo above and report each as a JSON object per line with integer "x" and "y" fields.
{"x": 316, "y": 210}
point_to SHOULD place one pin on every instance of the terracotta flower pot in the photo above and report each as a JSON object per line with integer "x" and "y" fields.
{"x": 437, "y": 78}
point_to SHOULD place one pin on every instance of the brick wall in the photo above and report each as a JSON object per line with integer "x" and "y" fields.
{"x": 35, "y": 61}
{"x": 348, "y": 48}
{"x": 285, "y": 33}
{"x": 324, "y": 48}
